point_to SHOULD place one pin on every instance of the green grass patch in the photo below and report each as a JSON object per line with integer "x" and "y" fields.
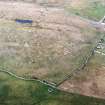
{"x": 18, "y": 92}
{"x": 93, "y": 10}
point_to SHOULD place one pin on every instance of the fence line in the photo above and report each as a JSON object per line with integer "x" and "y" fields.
{"x": 85, "y": 62}
{"x": 26, "y": 79}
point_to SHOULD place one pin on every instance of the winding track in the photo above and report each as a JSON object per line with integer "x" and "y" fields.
{"x": 25, "y": 79}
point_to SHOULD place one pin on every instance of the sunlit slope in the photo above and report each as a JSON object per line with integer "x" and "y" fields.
{"x": 92, "y": 9}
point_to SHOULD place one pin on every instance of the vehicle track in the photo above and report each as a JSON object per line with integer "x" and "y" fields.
{"x": 26, "y": 79}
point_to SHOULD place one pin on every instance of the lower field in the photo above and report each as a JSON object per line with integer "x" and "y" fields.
{"x": 17, "y": 92}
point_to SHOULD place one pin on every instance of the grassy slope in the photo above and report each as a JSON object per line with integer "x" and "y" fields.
{"x": 18, "y": 92}
{"x": 93, "y": 73}
{"x": 92, "y": 9}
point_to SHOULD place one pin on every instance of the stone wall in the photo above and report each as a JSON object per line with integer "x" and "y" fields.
{"x": 53, "y": 2}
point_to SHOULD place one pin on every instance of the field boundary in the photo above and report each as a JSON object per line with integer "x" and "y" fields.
{"x": 26, "y": 79}
{"x": 92, "y": 52}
